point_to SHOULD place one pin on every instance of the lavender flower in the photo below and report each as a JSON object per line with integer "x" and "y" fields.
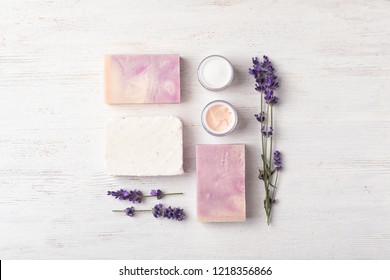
{"x": 130, "y": 211}
{"x": 174, "y": 213}
{"x": 157, "y": 210}
{"x": 277, "y": 160}
{"x": 119, "y": 194}
{"x": 271, "y": 99}
{"x": 135, "y": 196}
{"x": 260, "y": 117}
{"x": 267, "y": 133}
{"x": 266, "y": 80}
{"x": 157, "y": 193}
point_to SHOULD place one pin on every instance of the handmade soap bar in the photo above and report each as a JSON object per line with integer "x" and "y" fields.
{"x": 221, "y": 182}
{"x": 144, "y": 146}
{"x": 142, "y": 78}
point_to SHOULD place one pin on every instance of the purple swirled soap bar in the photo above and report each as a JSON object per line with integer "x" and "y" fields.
{"x": 142, "y": 78}
{"x": 221, "y": 182}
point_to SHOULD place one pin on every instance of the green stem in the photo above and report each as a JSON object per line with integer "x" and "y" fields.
{"x": 268, "y": 169}
{"x": 275, "y": 184}
{"x": 267, "y": 205}
{"x": 263, "y": 159}
{"x": 270, "y": 147}
{"x": 267, "y": 161}
{"x": 134, "y": 210}
{"x": 273, "y": 192}
{"x": 262, "y": 137}
{"x": 164, "y": 194}
{"x": 266, "y": 130}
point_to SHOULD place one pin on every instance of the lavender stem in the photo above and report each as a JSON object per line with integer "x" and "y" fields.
{"x": 144, "y": 210}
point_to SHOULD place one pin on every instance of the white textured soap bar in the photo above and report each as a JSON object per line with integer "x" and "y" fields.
{"x": 144, "y": 146}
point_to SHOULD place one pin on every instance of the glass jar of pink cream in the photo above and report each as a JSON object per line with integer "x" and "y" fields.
{"x": 219, "y": 118}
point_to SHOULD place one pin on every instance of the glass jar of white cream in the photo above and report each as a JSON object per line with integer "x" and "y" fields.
{"x": 215, "y": 72}
{"x": 219, "y": 118}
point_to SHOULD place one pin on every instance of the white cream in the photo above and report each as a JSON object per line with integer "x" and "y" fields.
{"x": 215, "y": 72}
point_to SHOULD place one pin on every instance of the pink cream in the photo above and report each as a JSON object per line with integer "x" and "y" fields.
{"x": 219, "y": 118}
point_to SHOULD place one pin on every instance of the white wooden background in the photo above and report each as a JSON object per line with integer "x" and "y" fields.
{"x": 333, "y": 127}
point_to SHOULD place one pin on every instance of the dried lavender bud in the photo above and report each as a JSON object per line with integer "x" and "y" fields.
{"x": 271, "y": 99}
{"x": 157, "y": 210}
{"x": 174, "y": 213}
{"x": 277, "y": 160}
{"x": 260, "y": 117}
{"x": 135, "y": 196}
{"x": 266, "y": 133}
{"x": 130, "y": 211}
{"x": 119, "y": 194}
{"x": 157, "y": 193}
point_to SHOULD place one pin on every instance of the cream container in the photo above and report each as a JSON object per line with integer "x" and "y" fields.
{"x": 219, "y": 118}
{"x": 215, "y": 72}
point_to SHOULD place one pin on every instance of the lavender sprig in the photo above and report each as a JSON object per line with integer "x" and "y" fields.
{"x": 174, "y": 213}
{"x": 266, "y": 82}
{"x": 159, "y": 194}
{"x": 130, "y": 211}
{"x": 137, "y": 196}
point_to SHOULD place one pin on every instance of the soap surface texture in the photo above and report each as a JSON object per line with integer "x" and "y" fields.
{"x": 220, "y": 183}
{"x": 142, "y": 78}
{"x": 144, "y": 146}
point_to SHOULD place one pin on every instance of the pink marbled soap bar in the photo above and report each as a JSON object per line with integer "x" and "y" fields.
{"x": 142, "y": 78}
{"x": 221, "y": 182}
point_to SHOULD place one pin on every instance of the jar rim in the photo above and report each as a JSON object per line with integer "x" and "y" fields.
{"x": 203, "y": 116}
{"x": 207, "y": 86}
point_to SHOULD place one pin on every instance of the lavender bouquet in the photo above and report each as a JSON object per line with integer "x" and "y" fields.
{"x": 266, "y": 84}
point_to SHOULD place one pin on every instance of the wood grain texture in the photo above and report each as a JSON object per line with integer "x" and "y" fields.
{"x": 333, "y": 127}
